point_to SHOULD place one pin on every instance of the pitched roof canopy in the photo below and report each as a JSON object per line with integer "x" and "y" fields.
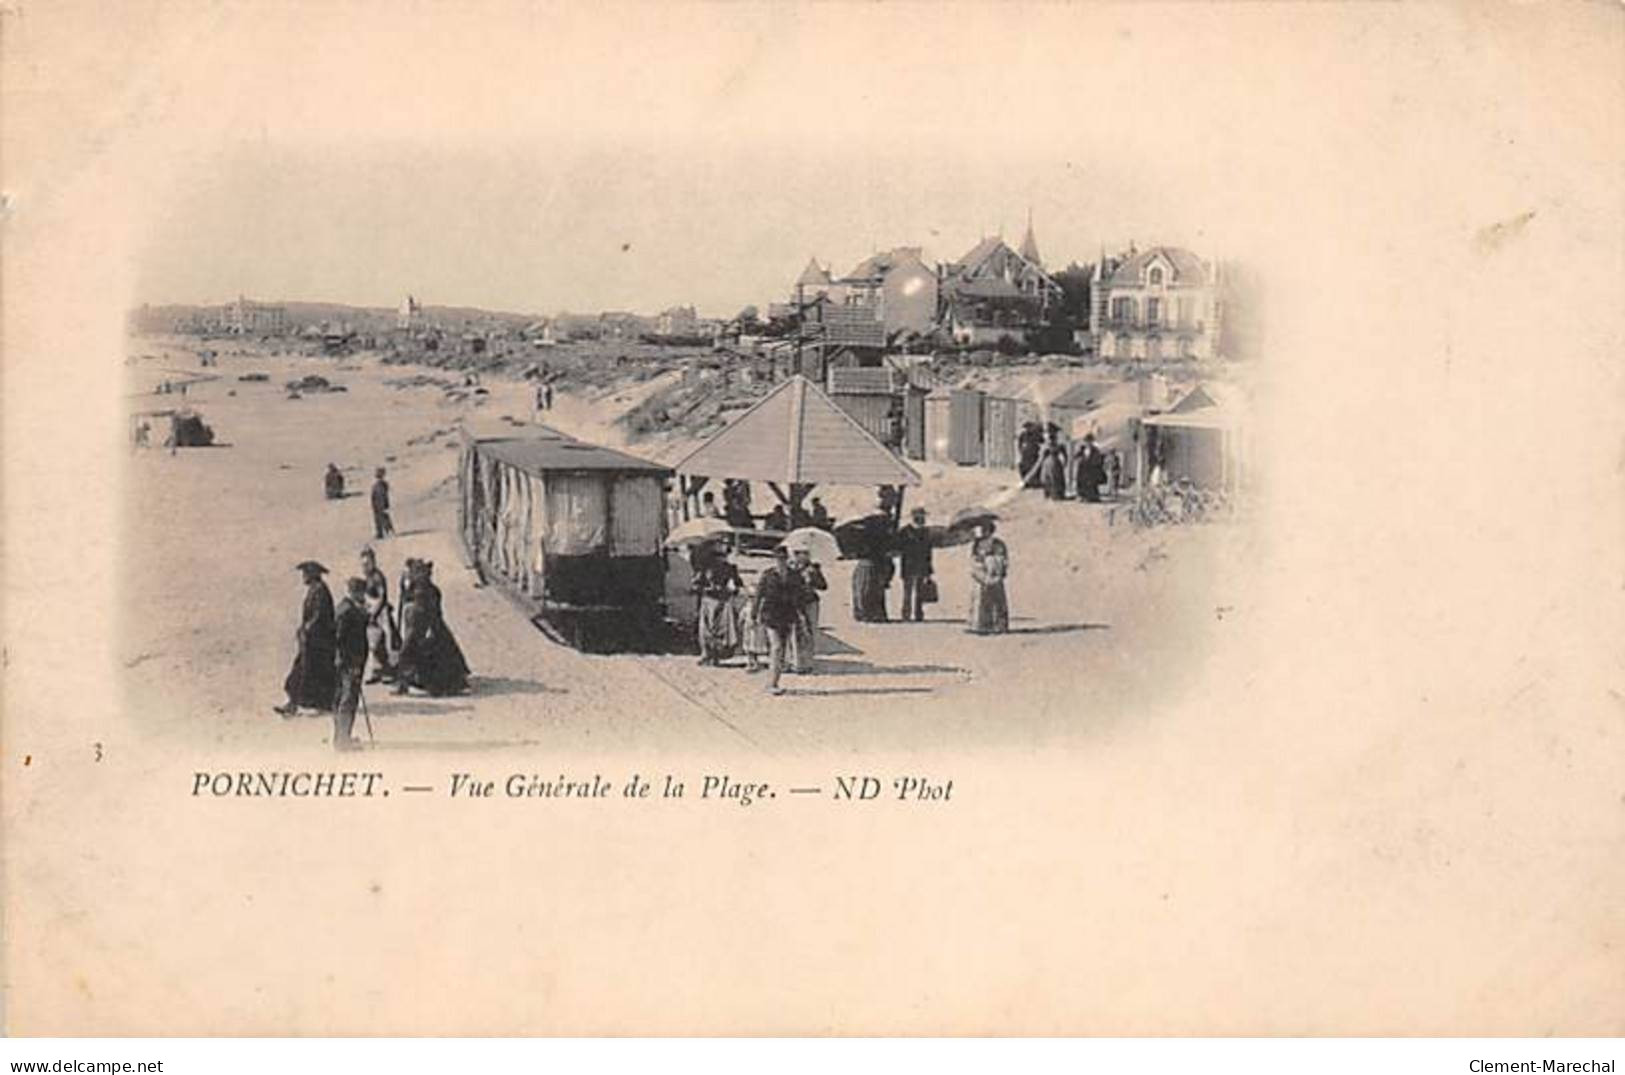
{"x": 795, "y": 434}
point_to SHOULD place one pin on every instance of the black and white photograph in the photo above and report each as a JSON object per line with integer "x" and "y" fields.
{"x": 813, "y": 519}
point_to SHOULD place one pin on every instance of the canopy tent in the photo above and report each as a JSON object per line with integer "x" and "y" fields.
{"x": 796, "y": 435}
{"x": 1205, "y": 441}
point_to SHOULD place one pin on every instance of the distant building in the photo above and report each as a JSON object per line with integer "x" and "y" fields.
{"x": 620, "y": 325}
{"x": 245, "y": 318}
{"x": 897, "y": 287}
{"x": 677, "y": 321}
{"x": 1154, "y": 304}
{"x": 410, "y": 314}
{"x": 813, "y": 283}
{"x": 995, "y": 292}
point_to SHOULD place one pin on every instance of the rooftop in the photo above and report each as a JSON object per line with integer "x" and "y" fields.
{"x": 550, "y": 450}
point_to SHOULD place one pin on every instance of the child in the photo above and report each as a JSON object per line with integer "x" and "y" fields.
{"x": 752, "y": 636}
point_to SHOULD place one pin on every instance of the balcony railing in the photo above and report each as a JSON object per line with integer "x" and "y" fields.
{"x": 1140, "y": 324}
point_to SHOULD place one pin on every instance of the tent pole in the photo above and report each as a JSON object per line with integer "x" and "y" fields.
{"x": 1139, "y": 466}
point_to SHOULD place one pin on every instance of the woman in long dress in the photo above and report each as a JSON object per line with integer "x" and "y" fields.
{"x": 431, "y": 660}
{"x": 873, "y": 571}
{"x": 989, "y": 566}
{"x": 1052, "y": 465}
{"x": 717, "y": 583}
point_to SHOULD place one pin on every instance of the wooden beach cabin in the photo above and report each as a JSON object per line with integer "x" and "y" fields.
{"x": 572, "y": 529}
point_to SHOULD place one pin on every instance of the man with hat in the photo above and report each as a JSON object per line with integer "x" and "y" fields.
{"x": 382, "y": 525}
{"x": 914, "y": 560}
{"x": 351, "y": 637}
{"x": 310, "y": 681}
{"x": 780, "y": 595}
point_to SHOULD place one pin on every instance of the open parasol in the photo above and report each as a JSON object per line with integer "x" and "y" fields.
{"x": 820, "y": 544}
{"x": 864, "y": 536}
{"x": 967, "y": 518}
{"x": 943, "y": 537}
{"x": 697, "y": 531}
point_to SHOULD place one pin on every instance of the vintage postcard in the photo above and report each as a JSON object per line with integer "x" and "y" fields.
{"x": 816, "y": 518}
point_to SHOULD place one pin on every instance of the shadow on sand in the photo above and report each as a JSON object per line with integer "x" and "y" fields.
{"x": 1059, "y": 628}
{"x": 826, "y": 667}
{"x": 791, "y": 692}
{"x": 490, "y": 686}
{"x": 392, "y": 706}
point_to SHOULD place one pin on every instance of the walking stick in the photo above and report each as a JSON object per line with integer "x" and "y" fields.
{"x": 361, "y": 693}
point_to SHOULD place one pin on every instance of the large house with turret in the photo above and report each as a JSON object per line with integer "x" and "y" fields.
{"x": 1155, "y": 304}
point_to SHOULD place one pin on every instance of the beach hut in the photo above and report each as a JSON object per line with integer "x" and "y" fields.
{"x": 953, "y": 426}
{"x": 573, "y": 529}
{"x": 867, "y": 395}
{"x": 1200, "y": 438}
{"x": 1001, "y": 419}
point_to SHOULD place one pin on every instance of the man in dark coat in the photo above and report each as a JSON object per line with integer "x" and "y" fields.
{"x": 382, "y": 525}
{"x": 310, "y": 681}
{"x": 350, "y": 631}
{"x": 914, "y": 560}
{"x": 780, "y": 596}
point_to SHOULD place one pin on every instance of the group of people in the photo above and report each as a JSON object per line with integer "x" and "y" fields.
{"x": 333, "y": 488}
{"x": 1049, "y": 463}
{"x": 913, "y": 546}
{"x": 777, "y": 617}
{"x": 884, "y": 551}
{"x": 414, "y": 650}
{"x": 735, "y": 510}
{"x": 773, "y": 620}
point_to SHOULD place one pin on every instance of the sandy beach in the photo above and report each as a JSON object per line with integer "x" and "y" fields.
{"x": 1102, "y": 610}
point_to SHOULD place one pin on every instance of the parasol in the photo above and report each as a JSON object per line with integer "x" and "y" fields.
{"x": 865, "y": 536}
{"x": 698, "y": 531}
{"x": 819, "y": 543}
{"x": 965, "y": 518}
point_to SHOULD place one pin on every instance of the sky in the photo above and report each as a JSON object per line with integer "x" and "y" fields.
{"x": 589, "y": 228}
{"x": 547, "y": 159}
{"x": 536, "y": 158}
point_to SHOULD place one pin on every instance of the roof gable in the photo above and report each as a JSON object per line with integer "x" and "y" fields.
{"x": 813, "y": 274}
{"x": 797, "y": 434}
{"x": 1186, "y": 268}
